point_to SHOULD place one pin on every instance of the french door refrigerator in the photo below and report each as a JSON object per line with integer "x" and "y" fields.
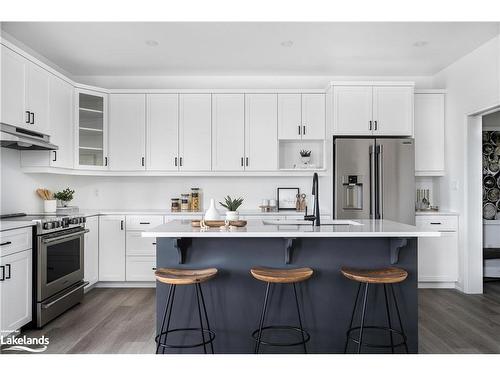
{"x": 374, "y": 178}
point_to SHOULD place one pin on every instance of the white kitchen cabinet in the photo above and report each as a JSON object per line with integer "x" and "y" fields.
{"x": 438, "y": 256}
{"x": 373, "y": 110}
{"x": 289, "y": 116}
{"x": 25, "y": 92}
{"x": 112, "y": 248}
{"x": 127, "y": 132}
{"x": 195, "y": 132}
{"x": 162, "y": 132}
{"x": 15, "y": 291}
{"x": 429, "y": 133}
{"x": 301, "y": 116}
{"x": 91, "y": 255}
{"x": 261, "y": 143}
{"x": 228, "y": 132}
{"x": 141, "y": 268}
{"x": 313, "y": 116}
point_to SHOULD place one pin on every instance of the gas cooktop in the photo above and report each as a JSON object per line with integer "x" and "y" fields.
{"x": 46, "y": 223}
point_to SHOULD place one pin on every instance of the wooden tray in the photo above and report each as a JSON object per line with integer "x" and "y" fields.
{"x": 219, "y": 223}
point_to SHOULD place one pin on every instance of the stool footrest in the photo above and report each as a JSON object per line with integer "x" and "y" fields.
{"x": 211, "y": 337}
{"x": 396, "y": 333}
{"x": 301, "y": 332}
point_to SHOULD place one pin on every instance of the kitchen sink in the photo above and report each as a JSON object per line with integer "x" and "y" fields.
{"x": 306, "y": 222}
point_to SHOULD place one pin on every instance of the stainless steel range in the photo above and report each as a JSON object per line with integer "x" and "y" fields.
{"x": 58, "y": 263}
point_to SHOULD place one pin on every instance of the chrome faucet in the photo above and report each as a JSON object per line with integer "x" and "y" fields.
{"x": 315, "y": 217}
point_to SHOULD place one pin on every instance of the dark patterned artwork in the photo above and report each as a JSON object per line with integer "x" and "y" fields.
{"x": 491, "y": 175}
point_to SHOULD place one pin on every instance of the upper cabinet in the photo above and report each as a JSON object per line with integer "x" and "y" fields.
{"x": 429, "y": 133}
{"x": 373, "y": 110}
{"x": 25, "y": 93}
{"x": 92, "y": 129}
{"x": 127, "y": 132}
{"x": 195, "y": 132}
{"x": 301, "y": 116}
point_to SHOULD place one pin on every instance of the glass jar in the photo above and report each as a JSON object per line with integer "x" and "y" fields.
{"x": 175, "y": 205}
{"x": 184, "y": 202}
{"x": 195, "y": 199}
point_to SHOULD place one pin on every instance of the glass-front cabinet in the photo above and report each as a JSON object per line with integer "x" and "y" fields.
{"x": 91, "y": 129}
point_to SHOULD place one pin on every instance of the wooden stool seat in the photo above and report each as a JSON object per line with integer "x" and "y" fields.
{"x": 184, "y": 276}
{"x": 388, "y": 275}
{"x": 279, "y": 275}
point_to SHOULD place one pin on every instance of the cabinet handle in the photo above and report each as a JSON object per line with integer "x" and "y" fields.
{"x": 154, "y": 268}
{"x": 246, "y": 161}
{"x": 5, "y": 243}
{"x": 370, "y": 125}
{"x": 436, "y": 223}
{"x": 144, "y": 223}
{"x": 105, "y": 161}
{"x": 7, "y": 267}
{"x": 304, "y": 130}
{"x": 153, "y": 243}
{"x": 180, "y": 161}
{"x": 28, "y": 117}
{"x": 32, "y": 118}
{"x": 299, "y": 129}
{"x": 55, "y": 156}
{"x": 376, "y": 125}
{"x": 175, "y": 161}
{"x": 242, "y": 161}
{"x": 142, "y": 161}
{"x": 2, "y": 278}
{"x": 121, "y": 224}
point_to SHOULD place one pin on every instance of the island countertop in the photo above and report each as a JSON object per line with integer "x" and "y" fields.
{"x": 257, "y": 228}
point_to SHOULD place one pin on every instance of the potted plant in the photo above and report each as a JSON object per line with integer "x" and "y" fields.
{"x": 305, "y": 155}
{"x": 64, "y": 196}
{"x": 232, "y": 206}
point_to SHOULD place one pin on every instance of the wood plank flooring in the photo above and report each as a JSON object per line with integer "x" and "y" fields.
{"x": 122, "y": 321}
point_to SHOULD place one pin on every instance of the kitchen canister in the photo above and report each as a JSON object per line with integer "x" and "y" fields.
{"x": 50, "y": 206}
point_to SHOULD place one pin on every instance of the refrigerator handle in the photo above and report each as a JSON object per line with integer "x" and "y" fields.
{"x": 380, "y": 182}
{"x": 371, "y": 182}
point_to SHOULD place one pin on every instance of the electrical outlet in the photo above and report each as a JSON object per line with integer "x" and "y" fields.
{"x": 96, "y": 192}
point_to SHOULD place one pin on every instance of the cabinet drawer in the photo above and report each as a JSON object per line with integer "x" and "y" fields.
{"x": 138, "y": 245}
{"x": 15, "y": 240}
{"x": 141, "y": 268}
{"x": 143, "y": 222}
{"x": 436, "y": 222}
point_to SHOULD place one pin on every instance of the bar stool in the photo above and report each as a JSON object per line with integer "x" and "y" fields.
{"x": 280, "y": 276}
{"x": 385, "y": 276}
{"x": 174, "y": 277}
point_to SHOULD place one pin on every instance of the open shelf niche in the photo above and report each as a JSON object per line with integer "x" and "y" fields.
{"x": 290, "y": 159}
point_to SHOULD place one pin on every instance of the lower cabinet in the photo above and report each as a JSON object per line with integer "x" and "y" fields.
{"x": 15, "y": 291}
{"x": 141, "y": 268}
{"x": 91, "y": 255}
{"x": 438, "y": 257}
{"x": 112, "y": 248}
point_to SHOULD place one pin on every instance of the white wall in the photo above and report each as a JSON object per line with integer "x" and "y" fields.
{"x": 472, "y": 84}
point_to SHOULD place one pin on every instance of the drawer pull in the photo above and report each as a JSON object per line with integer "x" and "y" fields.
{"x": 144, "y": 223}
{"x": 7, "y": 268}
{"x": 154, "y": 243}
{"x": 2, "y": 278}
{"x": 154, "y": 268}
{"x": 5, "y": 243}
{"x": 436, "y": 223}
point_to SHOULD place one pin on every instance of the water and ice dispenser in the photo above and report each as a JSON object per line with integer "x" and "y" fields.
{"x": 353, "y": 192}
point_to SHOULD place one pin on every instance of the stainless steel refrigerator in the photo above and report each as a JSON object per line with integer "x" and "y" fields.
{"x": 374, "y": 178}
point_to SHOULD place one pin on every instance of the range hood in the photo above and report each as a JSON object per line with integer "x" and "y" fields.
{"x": 22, "y": 139}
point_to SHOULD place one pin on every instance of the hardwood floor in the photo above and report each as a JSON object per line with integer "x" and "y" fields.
{"x": 122, "y": 321}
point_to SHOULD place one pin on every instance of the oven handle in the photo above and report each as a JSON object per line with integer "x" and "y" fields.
{"x": 82, "y": 285}
{"x": 75, "y": 234}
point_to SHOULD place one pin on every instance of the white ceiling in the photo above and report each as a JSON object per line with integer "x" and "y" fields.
{"x": 119, "y": 48}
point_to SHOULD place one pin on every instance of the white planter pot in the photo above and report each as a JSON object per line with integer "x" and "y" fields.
{"x": 232, "y": 215}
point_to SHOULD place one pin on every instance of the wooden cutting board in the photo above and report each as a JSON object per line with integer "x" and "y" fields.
{"x": 219, "y": 223}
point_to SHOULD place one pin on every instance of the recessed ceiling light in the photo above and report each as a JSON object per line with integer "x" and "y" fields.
{"x": 420, "y": 43}
{"x": 152, "y": 43}
{"x": 287, "y": 43}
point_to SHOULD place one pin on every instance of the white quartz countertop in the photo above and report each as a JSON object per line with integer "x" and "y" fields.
{"x": 256, "y": 228}
{"x": 167, "y": 212}
{"x": 8, "y": 225}
{"x": 437, "y": 213}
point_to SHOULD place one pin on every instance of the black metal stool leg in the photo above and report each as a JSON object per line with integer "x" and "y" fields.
{"x": 262, "y": 317}
{"x": 300, "y": 320}
{"x": 164, "y": 318}
{"x": 399, "y": 319}
{"x": 206, "y": 315}
{"x": 360, "y": 341}
{"x": 201, "y": 320}
{"x": 352, "y": 318}
{"x": 388, "y": 318}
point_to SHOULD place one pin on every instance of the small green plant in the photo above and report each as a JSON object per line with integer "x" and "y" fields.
{"x": 66, "y": 195}
{"x": 305, "y": 153}
{"x": 231, "y": 204}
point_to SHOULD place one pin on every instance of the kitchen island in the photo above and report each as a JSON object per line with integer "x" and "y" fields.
{"x": 234, "y": 298}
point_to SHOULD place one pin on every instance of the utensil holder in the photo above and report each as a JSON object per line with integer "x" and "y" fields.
{"x": 50, "y": 206}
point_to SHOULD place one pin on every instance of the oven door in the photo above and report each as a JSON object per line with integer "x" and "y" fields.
{"x": 60, "y": 261}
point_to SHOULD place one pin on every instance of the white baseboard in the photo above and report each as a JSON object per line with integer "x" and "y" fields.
{"x": 125, "y": 284}
{"x": 437, "y": 285}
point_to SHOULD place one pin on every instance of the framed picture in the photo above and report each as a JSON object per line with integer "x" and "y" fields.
{"x": 287, "y": 198}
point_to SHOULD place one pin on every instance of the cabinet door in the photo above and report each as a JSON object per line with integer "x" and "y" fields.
{"x": 141, "y": 268}
{"x": 13, "y": 112}
{"x": 61, "y": 122}
{"x": 112, "y": 248}
{"x": 393, "y": 110}
{"x": 127, "y": 132}
{"x": 289, "y": 116}
{"x": 352, "y": 110}
{"x": 37, "y": 97}
{"x": 15, "y": 291}
{"x": 228, "y": 124}
{"x": 313, "y": 116}
{"x": 162, "y": 132}
{"x": 91, "y": 258}
{"x": 261, "y": 133}
{"x": 195, "y": 132}
{"x": 429, "y": 134}
{"x": 438, "y": 258}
